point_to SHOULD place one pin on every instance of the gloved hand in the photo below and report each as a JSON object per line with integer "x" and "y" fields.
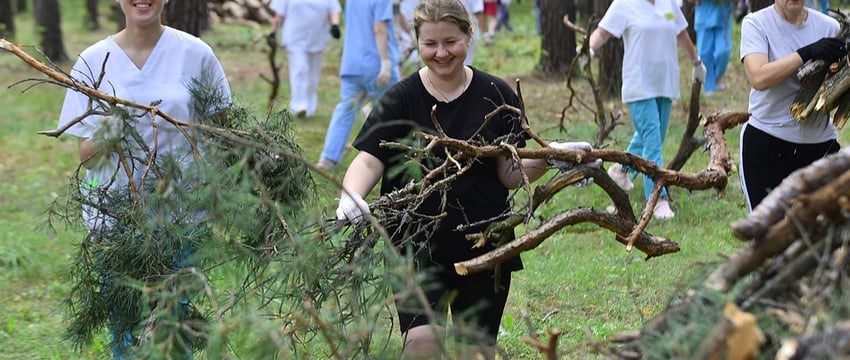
{"x": 567, "y": 165}
{"x": 582, "y": 57}
{"x": 385, "y": 73}
{"x": 335, "y": 31}
{"x": 699, "y": 71}
{"x": 110, "y": 130}
{"x": 351, "y": 208}
{"x": 826, "y": 49}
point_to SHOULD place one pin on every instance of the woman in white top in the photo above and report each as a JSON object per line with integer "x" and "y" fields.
{"x": 306, "y": 27}
{"x": 146, "y": 63}
{"x": 650, "y": 29}
{"x": 775, "y": 42}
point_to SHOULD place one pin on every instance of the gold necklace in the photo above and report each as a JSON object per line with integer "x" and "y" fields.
{"x": 445, "y": 98}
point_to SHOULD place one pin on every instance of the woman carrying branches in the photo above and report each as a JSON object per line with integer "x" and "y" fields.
{"x": 650, "y": 29}
{"x": 136, "y": 161}
{"x": 461, "y": 97}
{"x": 775, "y": 42}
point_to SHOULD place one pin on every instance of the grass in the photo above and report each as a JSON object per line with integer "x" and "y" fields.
{"x": 579, "y": 281}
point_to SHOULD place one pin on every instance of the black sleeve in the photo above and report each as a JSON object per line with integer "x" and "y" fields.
{"x": 389, "y": 121}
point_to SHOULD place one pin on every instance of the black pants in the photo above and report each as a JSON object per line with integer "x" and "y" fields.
{"x": 766, "y": 161}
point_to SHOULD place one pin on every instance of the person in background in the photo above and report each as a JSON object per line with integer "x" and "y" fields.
{"x": 306, "y": 26}
{"x": 504, "y": 18}
{"x": 461, "y": 97}
{"x": 476, "y": 14}
{"x": 713, "y": 25}
{"x": 147, "y": 63}
{"x": 369, "y": 57}
{"x": 651, "y": 31}
{"x": 403, "y": 10}
{"x": 775, "y": 42}
{"x": 822, "y": 5}
{"x": 491, "y": 19}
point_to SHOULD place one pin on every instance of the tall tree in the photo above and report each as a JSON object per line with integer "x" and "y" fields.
{"x": 558, "y": 42}
{"x": 21, "y": 6}
{"x": 191, "y": 16}
{"x": 7, "y": 19}
{"x": 48, "y": 22}
{"x": 91, "y": 9}
{"x": 688, "y": 8}
{"x": 610, "y": 59}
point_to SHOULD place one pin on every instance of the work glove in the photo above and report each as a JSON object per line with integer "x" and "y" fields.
{"x": 351, "y": 208}
{"x": 335, "y": 31}
{"x": 564, "y": 166}
{"x": 826, "y": 49}
{"x": 110, "y": 131}
{"x": 385, "y": 73}
{"x": 698, "y": 73}
{"x": 582, "y": 57}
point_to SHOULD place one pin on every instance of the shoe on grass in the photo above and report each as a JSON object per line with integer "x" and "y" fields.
{"x": 619, "y": 175}
{"x": 662, "y": 210}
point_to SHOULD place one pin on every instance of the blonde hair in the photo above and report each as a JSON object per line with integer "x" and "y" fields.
{"x": 452, "y": 11}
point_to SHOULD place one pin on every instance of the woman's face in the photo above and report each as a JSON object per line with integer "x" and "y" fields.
{"x": 442, "y": 46}
{"x": 142, "y": 12}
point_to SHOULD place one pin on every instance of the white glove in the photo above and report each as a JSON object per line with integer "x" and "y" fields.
{"x": 567, "y": 165}
{"x": 351, "y": 208}
{"x": 385, "y": 73}
{"x": 111, "y": 129}
{"x": 582, "y": 57}
{"x": 699, "y": 72}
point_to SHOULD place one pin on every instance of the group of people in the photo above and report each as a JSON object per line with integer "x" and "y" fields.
{"x": 775, "y": 42}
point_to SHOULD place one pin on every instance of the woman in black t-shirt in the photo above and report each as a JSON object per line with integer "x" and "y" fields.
{"x": 462, "y": 96}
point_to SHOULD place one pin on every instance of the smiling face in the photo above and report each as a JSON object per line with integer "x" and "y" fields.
{"x": 443, "y": 47}
{"x": 142, "y": 12}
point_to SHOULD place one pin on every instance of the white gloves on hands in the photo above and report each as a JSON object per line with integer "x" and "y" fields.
{"x": 582, "y": 57}
{"x": 385, "y": 73}
{"x": 352, "y": 208}
{"x": 110, "y": 130}
{"x": 567, "y": 165}
{"x": 699, "y": 72}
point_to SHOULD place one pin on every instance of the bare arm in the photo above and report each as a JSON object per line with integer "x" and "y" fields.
{"x": 686, "y": 44}
{"x": 382, "y": 39}
{"x": 764, "y": 74}
{"x": 598, "y": 38}
{"x": 510, "y": 175}
{"x": 363, "y": 173}
{"x": 277, "y": 23}
{"x": 335, "y": 17}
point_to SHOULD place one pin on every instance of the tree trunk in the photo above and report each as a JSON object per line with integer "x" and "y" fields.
{"x": 48, "y": 22}
{"x": 7, "y": 19}
{"x": 191, "y": 16}
{"x": 610, "y": 60}
{"x": 756, "y": 5}
{"x": 21, "y": 6}
{"x": 558, "y": 43}
{"x": 91, "y": 9}
{"x": 688, "y": 10}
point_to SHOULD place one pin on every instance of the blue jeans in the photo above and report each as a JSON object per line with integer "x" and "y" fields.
{"x": 354, "y": 89}
{"x": 715, "y": 49}
{"x": 650, "y": 118}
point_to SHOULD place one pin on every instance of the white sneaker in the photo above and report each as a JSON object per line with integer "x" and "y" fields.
{"x": 620, "y": 177}
{"x": 662, "y": 210}
{"x": 325, "y": 164}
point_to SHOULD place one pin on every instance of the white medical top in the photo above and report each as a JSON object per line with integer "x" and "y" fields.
{"x": 306, "y": 23}
{"x": 650, "y": 60}
{"x": 175, "y": 61}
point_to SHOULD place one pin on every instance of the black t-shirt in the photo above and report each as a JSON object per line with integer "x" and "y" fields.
{"x": 476, "y": 195}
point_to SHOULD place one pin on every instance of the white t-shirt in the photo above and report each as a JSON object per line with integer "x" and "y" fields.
{"x": 765, "y": 32}
{"x": 306, "y": 24}
{"x": 650, "y": 61}
{"x": 175, "y": 61}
